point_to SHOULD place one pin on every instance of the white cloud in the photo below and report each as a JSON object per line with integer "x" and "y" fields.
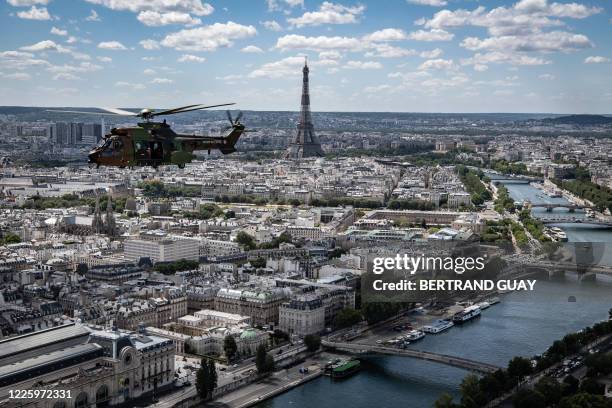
{"x": 434, "y": 34}
{"x": 596, "y": 60}
{"x": 191, "y": 58}
{"x": 93, "y": 16}
{"x": 195, "y": 7}
{"x": 27, "y": 3}
{"x": 278, "y": 5}
{"x": 105, "y": 59}
{"x": 523, "y": 17}
{"x": 500, "y": 57}
{"x": 17, "y": 60}
{"x": 553, "y": 41}
{"x": 480, "y": 67}
{"x": 388, "y": 51}
{"x": 57, "y": 31}
{"x": 252, "y": 49}
{"x": 208, "y": 38}
{"x": 149, "y": 71}
{"x": 289, "y": 66}
{"x": 387, "y": 34}
{"x": 330, "y": 55}
{"x": 66, "y": 76}
{"x": 230, "y": 79}
{"x": 46, "y": 45}
{"x": 112, "y": 45}
{"x": 162, "y": 81}
{"x": 376, "y": 89}
{"x": 435, "y": 53}
{"x": 156, "y": 19}
{"x": 149, "y": 44}
{"x": 433, "y": 3}
{"x": 271, "y": 25}
{"x": 17, "y": 76}
{"x": 363, "y": 65}
{"x": 82, "y": 67}
{"x": 374, "y": 43}
{"x": 438, "y": 63}
{"x": 547, "y": 77}
{"x": 35, "y": 13}
{"x": 320, "y": 43}
{"x": 134, "y": 86}
{"x": 328, "y": 13}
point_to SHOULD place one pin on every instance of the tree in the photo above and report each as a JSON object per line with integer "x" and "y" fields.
{"x": 519, "y": 368}
{"x": 592, "y": 386}
{"x": 471, "y": 394}
{"x": 259, "y": 262}
{"x": 599, "y": 364}
{"x": 202, "y": 380}
{"x": 211, "y": 384}
{"x": 269, "y": 363}
{"x": 550, "y": 389}
{"x": 244, "y": 239}
{"x": 585, "y": 401}
{"x": 445, "y": 401}
{"x": 229, "y": 347}
{"x": 260, "y": 359}
{"x": 230, "y": 214}
{"x": 346, "y": 318}
{"x": 526, "y": 398}
{"x": 312, "y": 342}
{"x": 82, "y": 269}
{"x": 570, "y": 385}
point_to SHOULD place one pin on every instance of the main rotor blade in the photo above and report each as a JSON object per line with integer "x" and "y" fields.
{"x": 197, "y": 107}
{"x": 175, "y": 110}
{"x": 229, "y": 116}
{"x": 239, "y": 116}
{"x": 81, "y": 112}
{"x": 197, "y": 138}
{"x": 121, "y": 112}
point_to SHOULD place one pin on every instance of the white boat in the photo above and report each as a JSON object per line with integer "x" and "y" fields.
{"x": 438, "y": 326}
{"x": 415, "y": 335}
{"x": 494, "y": 300}
{"x": 467, "y": 314}
{"x": 558, "y": 234}
{"x": 483, "y": 305}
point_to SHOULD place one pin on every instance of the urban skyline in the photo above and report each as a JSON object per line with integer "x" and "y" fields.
{"x": 415, "y": 55}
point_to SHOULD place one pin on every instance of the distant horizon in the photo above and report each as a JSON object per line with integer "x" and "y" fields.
{"x": 429, "y": 56}
{"x": 314, "y": 111}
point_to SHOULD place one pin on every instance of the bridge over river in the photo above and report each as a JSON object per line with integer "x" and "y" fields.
{"x": 366, "y": 349}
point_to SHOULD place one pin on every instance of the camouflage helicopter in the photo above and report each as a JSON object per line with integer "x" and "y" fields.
{"x": 153, "y": 143}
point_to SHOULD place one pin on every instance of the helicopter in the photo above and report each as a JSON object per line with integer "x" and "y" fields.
{"x": 152, "y": 143}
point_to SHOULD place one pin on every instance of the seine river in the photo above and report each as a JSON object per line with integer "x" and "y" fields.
{"x": 522, "y": 324}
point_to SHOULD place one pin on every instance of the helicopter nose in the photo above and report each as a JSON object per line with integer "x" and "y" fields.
{"x": 93, "y": 155}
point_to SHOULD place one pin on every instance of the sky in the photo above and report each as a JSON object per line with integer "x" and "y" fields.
{"x": 392, "y": 55}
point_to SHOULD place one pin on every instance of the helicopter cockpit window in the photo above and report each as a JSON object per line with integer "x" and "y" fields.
{"x": 117, "y": 145}
{"x": 103, "y": 142}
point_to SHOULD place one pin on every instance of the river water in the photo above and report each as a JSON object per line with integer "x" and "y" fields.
{"x": 524, "y": 323}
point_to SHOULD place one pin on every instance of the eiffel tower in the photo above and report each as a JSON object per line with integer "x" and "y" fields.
{"x": 306, "y": 143}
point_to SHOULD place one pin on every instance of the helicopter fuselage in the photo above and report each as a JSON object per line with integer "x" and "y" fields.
{"x": 155, "y": 143}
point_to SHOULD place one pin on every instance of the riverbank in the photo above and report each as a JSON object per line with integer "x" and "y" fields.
{"x": 277, "y": 383}
{"x": 523, "y": 323}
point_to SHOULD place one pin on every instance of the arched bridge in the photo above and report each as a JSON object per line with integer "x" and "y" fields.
{"x": 360, "y": 348}
{"x": 574, "y": 220}
{"x": 550, "y": 206}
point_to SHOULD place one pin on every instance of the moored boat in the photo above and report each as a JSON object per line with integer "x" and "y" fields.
{"x": 466, "y": 314}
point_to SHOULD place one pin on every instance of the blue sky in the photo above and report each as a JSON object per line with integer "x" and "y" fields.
{"x": 392, "y": 55}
